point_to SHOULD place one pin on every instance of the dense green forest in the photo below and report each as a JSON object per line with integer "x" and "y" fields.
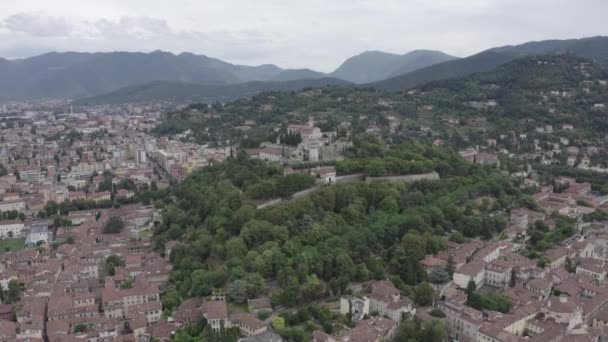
{"x": 315, "y": 246}
{"x": 375, "y": 160}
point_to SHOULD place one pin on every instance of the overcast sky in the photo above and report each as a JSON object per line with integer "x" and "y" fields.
{"x": 317, "y": 34}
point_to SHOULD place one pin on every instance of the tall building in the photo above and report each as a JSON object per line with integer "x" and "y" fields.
{"x": 51, "y": 170}
{"x": 141, "y": 157}
{"x": 31, "y": 175}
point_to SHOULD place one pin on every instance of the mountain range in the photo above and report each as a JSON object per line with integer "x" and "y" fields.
{"x": 77, "y": 75}
{"x": 595, "y": 48}
{"x": 125, "y": 76}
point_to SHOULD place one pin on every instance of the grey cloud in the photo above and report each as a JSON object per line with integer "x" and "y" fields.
{"x": 137, "y": 27}
{"x": 37, "y": 25}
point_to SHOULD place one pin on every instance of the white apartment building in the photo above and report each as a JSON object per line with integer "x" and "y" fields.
{"x": 18, "y": 205}
{"x": 11, "y": 229}
{"x": 32, "y": 175}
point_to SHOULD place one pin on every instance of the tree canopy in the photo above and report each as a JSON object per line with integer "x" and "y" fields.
{"x": 315, "y": 245}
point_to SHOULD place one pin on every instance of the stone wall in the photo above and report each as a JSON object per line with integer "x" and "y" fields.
{"x": 405, "y": 178}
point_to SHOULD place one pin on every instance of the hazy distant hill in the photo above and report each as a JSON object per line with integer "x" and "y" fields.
{"x": 187, "y": 92}
{"x": 373, "y": 66}
{"x": 298, "y": 74}
{"x": 74, "y": 75}
{"x": 594, "y": 48}
{"x": 82, "y": 75}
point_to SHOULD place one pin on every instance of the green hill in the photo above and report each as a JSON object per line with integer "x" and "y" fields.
{"x": 188, "y": 93}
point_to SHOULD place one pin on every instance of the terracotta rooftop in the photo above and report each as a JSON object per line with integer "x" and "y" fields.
{"x": 216, "y": 309}
{"x": 248, "y": 320}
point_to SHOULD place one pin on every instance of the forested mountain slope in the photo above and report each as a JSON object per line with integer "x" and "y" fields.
{"x": 595, "y": 48}
{"x": 519, "y": 95}
{"x": 373, "y": 66}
